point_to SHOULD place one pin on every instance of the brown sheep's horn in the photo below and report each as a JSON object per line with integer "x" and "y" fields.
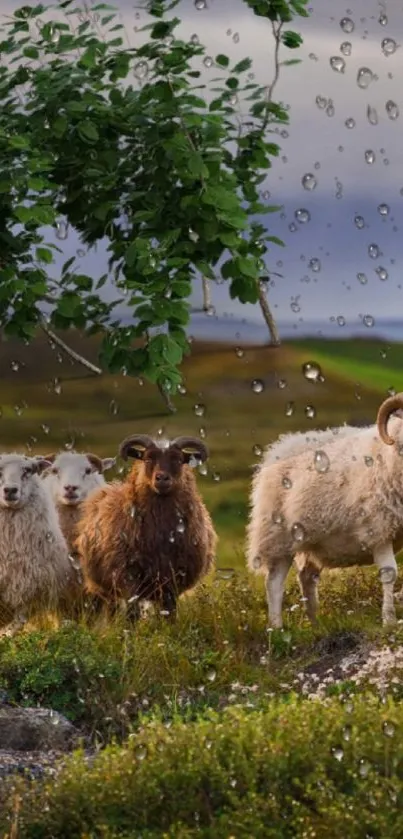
{"x": 94, "y": 460}
{"x": 50, "y": 457}
{"x": 192, "y": 446}
{"x": 135, "y": 446}
{"x": 388, "y": 407}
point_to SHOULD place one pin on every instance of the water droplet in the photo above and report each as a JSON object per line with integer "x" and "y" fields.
{"x": 362, "y": 278}
{"x": 199, "y": 410}
{"x": 388, "y": 729}
{"x": 372, "y": 115}
{"x": 54, "y": 34}
{"x": 257, "y": 385}
{"x": 347, "y": 25}
{"x": 211, "y": 675}
{"x": 309, "y": 181}
{"x": 310, "y": 412}
{"x": 330, "y": 112}
{"x": 282, "y": 383}
{"x": 113, "y": 407}
{"x": 235, "y": 37}
{"x": 141, "y": 69}
{"x": 141, "y": 752}
{"x": 49, "y": 536}
{"x": 337, "y": 63}
{"x": 289, "y": 409}
{"x": 315, "y": 264}
{"x": 368, "y": 320}
{"x": 257, "y": 450}
{"x": 321, "y": 102}
{"x": 382, "y": 273}
{"x": 341, "y": 321}
{"x": 364, "y": 768}
{"x": 286, "y": 483}
{"x": 321, "y": 461}
{"x": 15, "y": 366}
{"x": 239, "y": 352}
{"x": 208, "y": 61}
{"x": 364, "y": 77}
{"x": 338, "y": 753}
{"x": 370, "y": 156}
{"x": 368, "y": 460}
{"x": 302, "y": 215}
{"x": 312, "y": 371}
{"x": 359, "y": 222}
{"x": 347, "y": 731}
{"x": 388, "y": 46}
{"x": 383, "y": 209}
{"x": 62, "y": 230}
{"x": 216, "y": 476}
{"x": 383, "y": 19}
{"x": 345, "y": 48}
{"x": 277, "y": 518}
{"x": 57, "y": 386}
{"x": 350, "y": 123}
{"x": 200, "y": 5}
{"x": 180, "y": 526}
{"x": 373, "y": 250}
{"x": 194, "y": 39}
{"x": 392, "y": 109}
{"x": 298, "y": 532}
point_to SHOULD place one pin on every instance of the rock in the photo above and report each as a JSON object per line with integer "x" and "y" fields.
{"x": 35, "y": 729}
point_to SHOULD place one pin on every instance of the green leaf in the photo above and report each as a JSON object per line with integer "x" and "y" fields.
{"x": 44, "y": 255}
{"x": 222, "y": 60}
{"x": 242, "y": 66}
{"x": 87, "y": 130}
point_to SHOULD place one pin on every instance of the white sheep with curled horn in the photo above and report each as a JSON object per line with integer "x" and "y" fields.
{"x": 349, "y": 514}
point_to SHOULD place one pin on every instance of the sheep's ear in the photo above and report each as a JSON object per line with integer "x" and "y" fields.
{"x": 108, "y": 463}
{"x": 39, "y": 464}
{"x": 192, "y": 457}
{"x": 50, "y": 457}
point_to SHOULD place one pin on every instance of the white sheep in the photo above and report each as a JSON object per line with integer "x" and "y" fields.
{"x": 71, "y": 478}
{"x": 341, "y": 510}
{"x": 35, "y": 569}
{"x": 288, "y": 445}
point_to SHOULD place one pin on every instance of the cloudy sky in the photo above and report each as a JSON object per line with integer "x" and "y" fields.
{"x": 355, "y": 211}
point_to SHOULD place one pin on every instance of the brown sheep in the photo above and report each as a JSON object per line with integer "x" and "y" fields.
{"x": 150, "y": 537}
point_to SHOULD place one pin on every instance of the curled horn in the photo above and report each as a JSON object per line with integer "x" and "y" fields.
{"x": 135, "y": 446}
{"x": 94, "y": 460}
{"x": 388, "y": 407}
{"x": 191, "y": 446}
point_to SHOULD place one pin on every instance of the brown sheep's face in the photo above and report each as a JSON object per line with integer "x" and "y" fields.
{"x": 162, "y": 469}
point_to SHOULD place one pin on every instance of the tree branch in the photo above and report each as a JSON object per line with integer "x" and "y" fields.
{"x": 71, "y": 353}
{"x": 268, "y": 316}
{"x": 207, "y": 304}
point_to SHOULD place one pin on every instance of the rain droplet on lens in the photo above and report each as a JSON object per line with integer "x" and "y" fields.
{"x": 369, "y": 156}
{"x": 392, "y": 109}
{"x": 345, "y": 48}
{"x": 372, "y": 115}
{"x": 315, "y": 264}
{"x": 382, "y": 273}
{"x": 338, "y": 753}
{"x": 257, "y": 450}
{"x": 321, "y": 102}
{"x": 287, "y": 484}
{"x": 309, "y": 181}
{"x": 364, "y": 77}
{"x": 312, "y": 371}
{"x": 310, "y": 412}
{"x": 297, "y": 532}
{"x": 347, "y": 25}
{"x": 368, "y": 320}
{"x": 330, "y": 112}
{"x": 62, "y": 230}
{"x": 341, "y": 321}
{"x": 208, "y": 61}
{"x": 321, "y": 461}
{"x": 200, "y": 5}
{"x": 388, "y": 728}
{"x": 289, "y": 409}
{"x": 302, "y": 215}
{"x": 199, "y": 409}
{"x": 388, "y": 46}
{"x": 141, "y": 69}
{"x": 359, "y": 222}
{"x": 373, "y": 250}
{"x": 257, "y": 385}
{"x": 383, "y": 209}
{"x": 337, "y": 63}
{"x": 350, "y": 123}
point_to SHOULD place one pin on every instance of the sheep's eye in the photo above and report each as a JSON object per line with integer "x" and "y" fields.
{"x": 27, "y": 472}
{"x": 88, "y": 470}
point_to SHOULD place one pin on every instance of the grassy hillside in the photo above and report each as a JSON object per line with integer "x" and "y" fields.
{"x": 209, "y": 727}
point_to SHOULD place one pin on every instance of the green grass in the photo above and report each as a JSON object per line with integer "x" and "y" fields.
{"x": 208, "y": 734}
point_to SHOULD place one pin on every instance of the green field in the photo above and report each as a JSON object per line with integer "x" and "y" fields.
{"x": 208, "y": 732}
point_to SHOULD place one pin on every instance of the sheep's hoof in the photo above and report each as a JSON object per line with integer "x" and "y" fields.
{"x": 388, "y": 619}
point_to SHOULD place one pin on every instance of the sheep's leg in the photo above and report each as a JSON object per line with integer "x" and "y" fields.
{"x": 308, "y": 577}
{"x": 275, "y": 583}
{"x": 384, "y": 559}
{"x": 168, "y": 603}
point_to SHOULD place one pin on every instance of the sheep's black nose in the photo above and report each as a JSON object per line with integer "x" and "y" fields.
{"x": 10, "y": 492}
{"x": 162, "y": 478}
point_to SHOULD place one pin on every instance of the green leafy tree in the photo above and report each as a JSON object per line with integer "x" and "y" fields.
{"x": 167, "y": 169}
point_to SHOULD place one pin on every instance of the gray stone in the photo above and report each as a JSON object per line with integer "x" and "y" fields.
{"x": 35, "y": 729}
